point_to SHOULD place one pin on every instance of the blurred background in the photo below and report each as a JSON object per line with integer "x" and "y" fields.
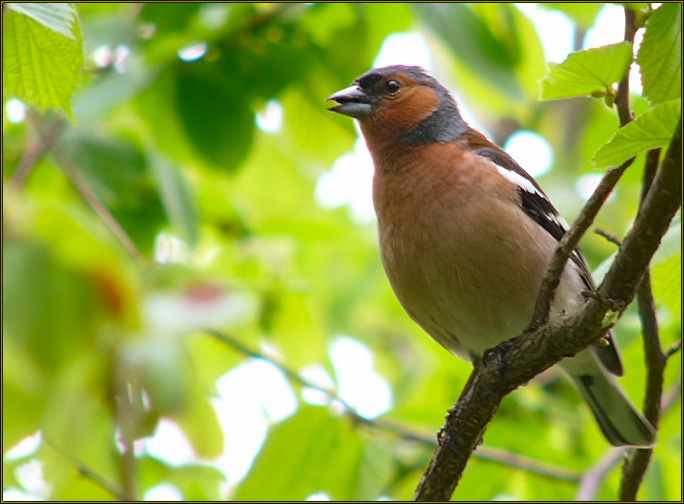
{"x": 193, "y": 301}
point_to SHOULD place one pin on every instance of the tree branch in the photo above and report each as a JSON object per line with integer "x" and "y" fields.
{"x": 674, "y": 348}
{"x": 634, "y": 470}
{"x": 516, "y": 361}
{"x": 35, "y": 152}
{"x": 84, "y": 189}
{"x": 570, "y": 241}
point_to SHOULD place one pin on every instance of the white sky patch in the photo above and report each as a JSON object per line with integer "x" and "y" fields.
{"x": 27, "y": 446}
{"x": 252, "y": 396}
{"x": 350, "y": 182}
{"x": 163, "y": 492}
{"x": 359, "y": 385}
{"x": 587, "y": 183}
{"x": 31, "y": 478}
{"x": 193, "y": 52}
{"x": 316, "y": 375}
{"x": 16, "y": 111}
{"x": 270, "y": 118}
{"x": 170, "y": 249}
{"x": 404, "y": 49}
{"x": 318, "y": 496}
{"x": 170, "y": 444}
{"x": 554, "y": 28}
{"x": 609, "y": 27}
{"x": 531, "y": 151}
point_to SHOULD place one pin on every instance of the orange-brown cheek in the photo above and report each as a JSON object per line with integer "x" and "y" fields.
{"x": 409, "y": 109}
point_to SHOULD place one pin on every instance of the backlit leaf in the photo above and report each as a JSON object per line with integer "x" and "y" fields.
{"x": 586, "y": 72}
{"x": 654, "y": 128}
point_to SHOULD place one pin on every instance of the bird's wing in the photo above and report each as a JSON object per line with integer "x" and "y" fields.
{"x": 538, "y": 206}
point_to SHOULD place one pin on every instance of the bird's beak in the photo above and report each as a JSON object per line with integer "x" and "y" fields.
{"x": 353, "y": 102}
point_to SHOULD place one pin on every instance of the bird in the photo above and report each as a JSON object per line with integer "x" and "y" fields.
{"x": 466, "y": 235}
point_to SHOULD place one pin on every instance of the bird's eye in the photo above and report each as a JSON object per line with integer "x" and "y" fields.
{"x": 392, "y": 86}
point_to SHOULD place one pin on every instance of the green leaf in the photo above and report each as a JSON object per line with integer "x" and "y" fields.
{"x": 490, "y": 53}
{"x": 666, "y": 272}
{"x": 654, "y": 128}
{"x": 660, "y": 54}
{"x": 39, "y": 66}
{"x": 177, "y": 199}
{"x": 586, "y": 72}
{"x": 59, "y": 17}
{"x": 197, "y": 482}
{"x": 325, "y": 458}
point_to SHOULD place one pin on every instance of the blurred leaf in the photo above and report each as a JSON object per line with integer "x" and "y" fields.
{"x": 23, "y": 392}
{"x": 324, "y": 459}
{"x": 198, "y": 420}
{"x": 150, "y": 472}
{"x": 660, "y": 54}
{"x": 584, "y": 14}
{"x": 666, "y": 271}
{"x": 654, "y": 128}
{"x": 197, "y": 482}
{"x": 118, "y": 173}
{"x": 39, "y": 66}
{"x": 490, "y": 55}
{"x": 49, "y": 309}
{"x": 109, "y": 89}
{"x": 177, "y": 199}
{"x": 169, "y": 16}
{"x": 215, "y": 115}
{"x": 375, "y": 470}
{"x": 586, "y": 72}
{"x": 59, "y": 17}
{"x": 635, "y": 6}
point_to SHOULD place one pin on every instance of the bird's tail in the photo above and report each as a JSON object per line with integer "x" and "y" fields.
{"x": 619, "y": 420}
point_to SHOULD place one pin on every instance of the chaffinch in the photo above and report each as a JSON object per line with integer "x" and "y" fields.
{"x": 466, "y": 234}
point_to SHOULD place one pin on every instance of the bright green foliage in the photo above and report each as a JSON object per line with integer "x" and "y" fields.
{"x": 41, "y": 60}
{"x": 660, "y": 54}
{"x": 586, "y": 72}
{"x": 335, "y": 460}
{"x": 104, "y": 347}
{"x": 59, "y": 17}
{"x": 652, "y": 129}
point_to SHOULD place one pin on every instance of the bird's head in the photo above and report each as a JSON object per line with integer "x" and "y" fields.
{"x": 400, "y": 104}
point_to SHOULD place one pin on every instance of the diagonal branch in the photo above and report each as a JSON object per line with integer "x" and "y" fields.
{"x": 83, "y": 188}
{"x": 514, "y": 362}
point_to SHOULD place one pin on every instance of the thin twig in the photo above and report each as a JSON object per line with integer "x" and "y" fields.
{"x": 84, "y": 189}
{"x": 87, "y": 472}
{"x": 608, "y": 236}
{"x": 650, "y": 169}
{"x": 570, "y": 241}
{"x": 624, "y": 110}
{"x": 593, "y": 479}
{"x": 673, "y": 349}
{"x": 483, "y": 452}
{"x": 35, "y": 152}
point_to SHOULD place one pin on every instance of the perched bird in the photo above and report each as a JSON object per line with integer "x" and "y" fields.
{"x": 466, "y": 235}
